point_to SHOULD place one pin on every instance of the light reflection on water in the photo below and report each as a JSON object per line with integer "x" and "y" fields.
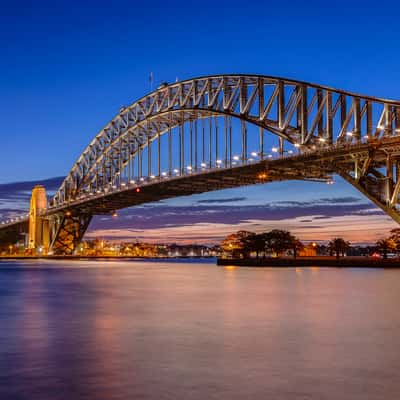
{"x": 157, "y": 330}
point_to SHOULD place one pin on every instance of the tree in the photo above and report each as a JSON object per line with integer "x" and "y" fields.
{"x": 235, "y": 244}
{"x": 395, "y": 239}
{"x": 385, "y": 245}
{"x": 254, "y": 243}
{"x": 338, "y": 246}
{"x": 278, "y": 241}
{"x": 296, "y": 246}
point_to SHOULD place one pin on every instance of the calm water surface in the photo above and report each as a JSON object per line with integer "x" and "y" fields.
{"x": 147, "y": 330}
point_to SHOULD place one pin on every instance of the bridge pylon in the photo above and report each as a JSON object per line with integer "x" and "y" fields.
{"x": 39, "y": 233}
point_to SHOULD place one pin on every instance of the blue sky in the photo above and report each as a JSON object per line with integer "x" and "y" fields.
{"x": 67, "y": 68}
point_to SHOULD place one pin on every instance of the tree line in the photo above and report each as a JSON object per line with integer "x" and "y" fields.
{"x": 276, "y": 242}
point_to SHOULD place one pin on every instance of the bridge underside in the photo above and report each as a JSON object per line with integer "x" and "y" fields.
{"x": 261, "y": 172}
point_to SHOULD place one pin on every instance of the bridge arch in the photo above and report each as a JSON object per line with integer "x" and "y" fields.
{"x": 300, "y": 117}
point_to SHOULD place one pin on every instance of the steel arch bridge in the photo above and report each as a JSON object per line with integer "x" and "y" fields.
{"x": 216, "y": 132}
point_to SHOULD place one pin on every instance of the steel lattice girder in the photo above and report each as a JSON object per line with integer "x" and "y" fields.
{"x": 69, "y": 231}
{"x": 311, "y": 115}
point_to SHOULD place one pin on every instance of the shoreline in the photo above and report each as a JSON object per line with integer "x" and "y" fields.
{"x": 328, "y": 262}
{"x": 94, "y": 258}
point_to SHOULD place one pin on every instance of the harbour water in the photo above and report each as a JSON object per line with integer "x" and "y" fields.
{"x": 189, "y": 330}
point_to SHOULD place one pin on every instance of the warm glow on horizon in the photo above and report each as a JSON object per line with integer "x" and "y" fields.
{"x": 356, "y": 229}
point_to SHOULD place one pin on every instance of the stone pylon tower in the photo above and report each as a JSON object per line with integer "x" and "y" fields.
{"x": 38, "y": 226}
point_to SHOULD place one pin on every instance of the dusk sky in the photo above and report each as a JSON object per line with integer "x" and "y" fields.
{"x": 68, "y": 67}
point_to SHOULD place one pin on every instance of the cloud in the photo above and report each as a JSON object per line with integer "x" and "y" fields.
{"x": 365, "y": 229}
{"x": 216, "y": 201}
{"x": 171, "y": 222}
{"x": 15, "y": 191}
{"x": 335, "y": 200}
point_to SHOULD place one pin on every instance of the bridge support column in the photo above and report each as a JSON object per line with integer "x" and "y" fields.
{"x": 68, "y": 232}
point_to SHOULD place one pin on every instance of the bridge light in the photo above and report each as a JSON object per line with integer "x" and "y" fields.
{"x": 203, "y": 165}
{"x": 123, "y": 184}
{"x": 141, "y": 179}
{"x": 254, "y": 153}
{"x": 189, "y": 167}
{"x": 274, "y": 149}
{"x": 114, "y": 214}
{"x": 152, "y": 176}
{"x": 219, "y": 162}
{"x": 290, "y": 151}
{"x": 67, "y": 213}
{"x": 262, "y": 175}
{"x": 297, "y": 145}
{"x": 349, "y": 133}
{"x": 176, "y": 171}
{"x": 269, "y": 155}
{"x": 321, "y": 139}
{"x": 137, "y": 190}
{"x": 250, "y": 159}
{"x": 236, "y": 158}
{"x": 132, "y": 181}
{"x": 163, "y": 173}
